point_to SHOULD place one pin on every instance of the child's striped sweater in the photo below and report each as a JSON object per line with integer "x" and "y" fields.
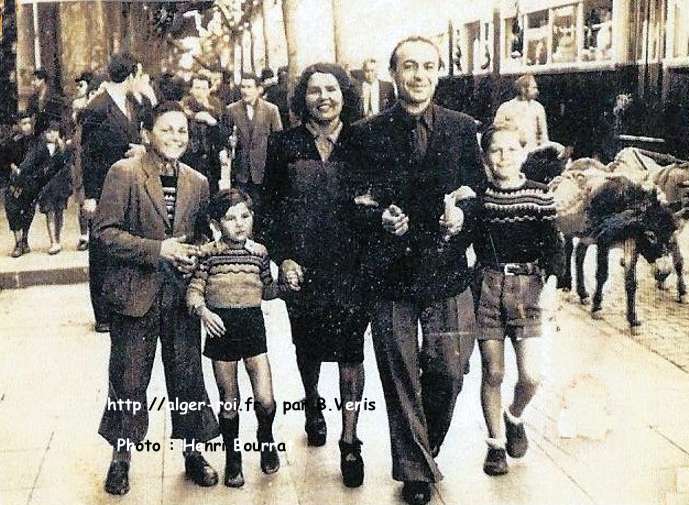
{"x": 518, "y": 226}
{"x": 232, "y": 278}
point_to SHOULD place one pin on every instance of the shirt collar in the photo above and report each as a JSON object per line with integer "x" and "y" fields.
{"x": 162, "y": 164}
{"x": 332, "y": 135}
{"x": 427, "y": 117}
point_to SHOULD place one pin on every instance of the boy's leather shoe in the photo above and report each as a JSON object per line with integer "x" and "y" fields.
{"x": 495, "y": 462}
{"x": 517, "y": 443}
{"x": 315, "y": 427}
{"x": 351, "y": 463}
{"x": 102, "y": 327}
{"x": 199, "y": 471}
{"x": 117, "y": 481}
{"x": 416, "y": 492}
{"x": 17, "y": 251}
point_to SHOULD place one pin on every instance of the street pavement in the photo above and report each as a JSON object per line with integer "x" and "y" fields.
{"x": 608, "y": 427}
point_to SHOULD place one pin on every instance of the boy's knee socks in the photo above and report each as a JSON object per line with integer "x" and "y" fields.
{"x": 265, "y": 419}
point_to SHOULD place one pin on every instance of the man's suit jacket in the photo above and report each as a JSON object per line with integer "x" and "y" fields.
{"x": 131, "y": 223}
{"x": 386, "y": 96}
{"x": 419, "y": 265}
{"x": 105, "y": 137}
{"x": 253, "y": 138}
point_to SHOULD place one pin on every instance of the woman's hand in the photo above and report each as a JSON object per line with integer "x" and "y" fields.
{"x": 212, "y": 322}
{"x": 395, "y": 221}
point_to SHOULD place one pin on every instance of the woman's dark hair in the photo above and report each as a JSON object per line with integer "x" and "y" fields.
{"x": 226, "y": 198}
{"x": 150, "y": 115}
{"x": 350, "y": 97}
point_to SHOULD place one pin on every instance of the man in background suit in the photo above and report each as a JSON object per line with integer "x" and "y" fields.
{"x": 376, "y": 95}
{"x": 150, "y": 211}
{"x": 109, "y": 128}
{"x": 255, "y": 119}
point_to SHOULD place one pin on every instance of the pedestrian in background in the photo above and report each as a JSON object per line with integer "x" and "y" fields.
{"x": 525, "y": 113}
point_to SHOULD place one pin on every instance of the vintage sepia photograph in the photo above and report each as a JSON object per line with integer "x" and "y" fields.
{"x": 361, "y": 252}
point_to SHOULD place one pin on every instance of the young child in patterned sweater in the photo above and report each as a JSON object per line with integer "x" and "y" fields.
{"x": 226, "y": 290}
{"x": 518, "y": 247}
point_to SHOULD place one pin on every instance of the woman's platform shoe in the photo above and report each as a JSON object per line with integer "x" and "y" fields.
{"x": 351, "y": 464}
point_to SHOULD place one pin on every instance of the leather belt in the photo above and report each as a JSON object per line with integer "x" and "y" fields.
{"x": 514, "y": 268}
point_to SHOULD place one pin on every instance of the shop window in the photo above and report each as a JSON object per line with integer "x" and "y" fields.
{"x": 647, "y": 21}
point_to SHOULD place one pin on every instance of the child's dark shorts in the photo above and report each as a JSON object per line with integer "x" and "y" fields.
{"x": 245, "y": 335}
{"x": 508, "y": 304}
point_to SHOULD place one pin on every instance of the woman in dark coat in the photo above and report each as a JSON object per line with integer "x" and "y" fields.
{"x": 310, "y": 190}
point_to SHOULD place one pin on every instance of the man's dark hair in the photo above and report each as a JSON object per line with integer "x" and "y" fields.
{"x": 150, "y": 116}
{"x": 266, "y": 74}
{"x": 350, "y": 97}
{"x": 40, "y": 73}
{"x": 171, "y": 87}
{"x": 413, "y": 38}
{"x": 94, "y": 84}
{"x": 86, "y": 76}
{"x": 252, "y": 76}
{"x": 55, "y": 126}
{"x": 226, "y": 198}
{"x": 121, "y": 66}
{"x": 23, "y": 114}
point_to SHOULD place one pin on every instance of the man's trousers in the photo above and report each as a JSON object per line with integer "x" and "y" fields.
{"x": 97, "y": 269}
{"x": 421, "y": 384}
{"x": 132, "y": 350}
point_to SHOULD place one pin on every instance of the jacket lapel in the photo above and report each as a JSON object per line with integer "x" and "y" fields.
{"x": 153, "y": 186}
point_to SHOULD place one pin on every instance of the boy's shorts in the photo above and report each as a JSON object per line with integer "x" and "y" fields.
{"x": 508, "y": 304}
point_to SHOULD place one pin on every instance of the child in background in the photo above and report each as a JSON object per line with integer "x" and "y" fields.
{"x": 232, "y": 278}
{"x": 53, "y": 199}
{"x": 20, "y": 210}
{"x": 519, "y": 248}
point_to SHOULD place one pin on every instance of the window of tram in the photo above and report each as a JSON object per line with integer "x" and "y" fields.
{"x": 536, "y": 38}
{"x": 681, "y": 29}
{"x": 598, "y": 34}
{"x": 564, "y": 34}
{"x": 647, "y": 22}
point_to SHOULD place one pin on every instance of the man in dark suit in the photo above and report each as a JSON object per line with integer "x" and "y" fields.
{"x": 423, "y": 166}
{"x": 376, "y": 95}
{"x": 44, "y": 103}
{"x": 150, "y": 208}
{"x": 109, "y": 128}
{"x": 255, "y": 119}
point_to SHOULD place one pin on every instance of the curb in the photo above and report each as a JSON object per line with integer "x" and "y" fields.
{"x": 25, "y": 279}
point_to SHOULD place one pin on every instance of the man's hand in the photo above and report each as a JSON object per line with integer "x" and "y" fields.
{"x": 15, "y": 169}
{"x": 135, "y": 151}
{"x": 212, "y": 322}
{"x": 205, "y": 117}
{"x": 224, "y": 157}
{"x": 293, "y": 274}
{"x": 89, "y": 207}
{"x": 395, "y": 221}
{"x": 181, "y": 255}
{"x": 453, "y": 222}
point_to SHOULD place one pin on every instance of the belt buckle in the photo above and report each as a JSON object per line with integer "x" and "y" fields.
{"x": 507, "y": 268}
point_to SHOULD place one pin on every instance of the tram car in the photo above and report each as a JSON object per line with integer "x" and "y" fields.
{"x": 611, "y": 73}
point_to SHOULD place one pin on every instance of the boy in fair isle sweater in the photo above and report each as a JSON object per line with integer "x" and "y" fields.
{"x": 232, "y": 278}
{"x": 517, "y": 248}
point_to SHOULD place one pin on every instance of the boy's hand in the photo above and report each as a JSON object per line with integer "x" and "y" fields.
{"x": 89, "y": 207}
{"x": 293, "y": 274}
{"x": 178, "y": 253}
{"x": 453, "y": 222}
{"x": 212, "y": 322}
{"x": 395, "y": 221}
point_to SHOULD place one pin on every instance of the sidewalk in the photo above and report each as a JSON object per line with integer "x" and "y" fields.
{"x": 38, "y": 267}
{"x": 608, "y": 427}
